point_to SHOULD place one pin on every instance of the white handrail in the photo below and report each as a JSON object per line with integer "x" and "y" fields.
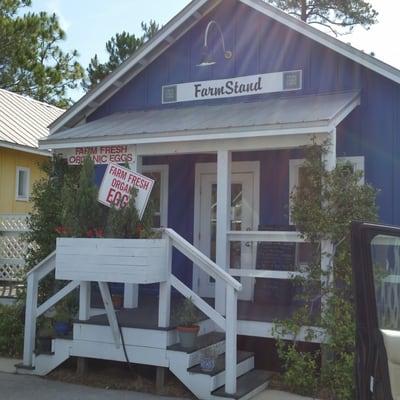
{"x": 266, "y": 236}
{"x": 229, "y": 323}
{"x": 207, "y": 265}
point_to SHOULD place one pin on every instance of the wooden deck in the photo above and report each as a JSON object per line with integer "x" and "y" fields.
{"x": 146, "y": 315}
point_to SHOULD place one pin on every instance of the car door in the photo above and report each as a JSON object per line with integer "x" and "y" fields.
{"x": 376, "y": 278}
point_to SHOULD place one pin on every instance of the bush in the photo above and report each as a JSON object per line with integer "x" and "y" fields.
{"x": 11, "y": 330}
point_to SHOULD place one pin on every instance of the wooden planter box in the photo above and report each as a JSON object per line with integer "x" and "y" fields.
{"x": 111, "y": 260}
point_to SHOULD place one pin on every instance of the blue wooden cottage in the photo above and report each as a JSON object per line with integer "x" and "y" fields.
{"x": 216, "y": 108}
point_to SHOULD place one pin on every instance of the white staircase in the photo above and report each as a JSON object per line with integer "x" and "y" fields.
{"x": 98, "y": 337}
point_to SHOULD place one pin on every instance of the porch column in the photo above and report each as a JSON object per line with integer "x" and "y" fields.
{"x": 224, "y": 160}
{"x": 131, "y": 291}
{"x": 326, "y": 245}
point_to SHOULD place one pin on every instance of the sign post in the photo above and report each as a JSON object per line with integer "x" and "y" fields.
{"x": 117, "y": 185}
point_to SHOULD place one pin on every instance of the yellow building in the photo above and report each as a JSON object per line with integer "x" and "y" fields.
{"x": 22, "y": 122}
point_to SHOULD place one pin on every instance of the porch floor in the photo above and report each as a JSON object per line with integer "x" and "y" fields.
{"x": 145, "y": 316}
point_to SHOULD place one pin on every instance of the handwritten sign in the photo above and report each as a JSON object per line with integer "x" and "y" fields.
{"x": 117, "y": 184}
{"x": 101, "y": 154}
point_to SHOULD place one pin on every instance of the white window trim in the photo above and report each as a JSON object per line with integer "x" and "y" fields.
{"x": 163, "y": 170}
{"x": 28, "y": 174}
{"x": 294, "y": 165}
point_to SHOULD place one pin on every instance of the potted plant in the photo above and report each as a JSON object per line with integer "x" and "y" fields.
{"x": 62, "y": 320}
{"x": 187, "y": 328}
{"x": 207, "y": 359}
{"x": 45, "y": 335}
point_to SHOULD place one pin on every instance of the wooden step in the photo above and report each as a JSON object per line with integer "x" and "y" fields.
{"x": 201, "y": 342}
{"x": 220, "y": 364}
{"x": 248, "y": 385}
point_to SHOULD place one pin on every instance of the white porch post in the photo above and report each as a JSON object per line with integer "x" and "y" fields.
{"x": 84, "y": 300}
{"x": 326, "y": 245}
{"x": 224, "y": 160}
{"x": 30, "y": 320}
{"x": 131, "y": 291}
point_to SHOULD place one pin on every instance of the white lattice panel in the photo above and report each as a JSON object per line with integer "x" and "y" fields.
{"x": 13, "y": 223}
{"x": 11, "y": 270}
{"x": 12, "y": 246}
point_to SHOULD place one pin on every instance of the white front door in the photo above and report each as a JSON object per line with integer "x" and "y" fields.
{"x": 244, "y": 216}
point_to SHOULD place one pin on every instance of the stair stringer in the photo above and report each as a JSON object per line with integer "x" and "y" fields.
{"x": 45, "y": 363}
{"x": 201, "y": 385}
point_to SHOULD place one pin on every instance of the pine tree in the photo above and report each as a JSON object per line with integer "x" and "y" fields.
{"x": 31, "y": 59}
{"x": 119, "y": 48}
{"x": 340, "y": 16}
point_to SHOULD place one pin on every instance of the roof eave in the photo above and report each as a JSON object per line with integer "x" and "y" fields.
{"x": 25, "y": 149}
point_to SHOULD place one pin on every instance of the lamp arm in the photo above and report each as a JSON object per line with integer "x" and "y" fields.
{"x": 210, "y": 24}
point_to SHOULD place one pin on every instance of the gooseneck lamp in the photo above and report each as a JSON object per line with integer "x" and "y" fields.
{"x": 207, "y": 58}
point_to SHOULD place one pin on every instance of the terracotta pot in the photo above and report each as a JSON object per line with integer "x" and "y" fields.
{"x": 187, "y": 335}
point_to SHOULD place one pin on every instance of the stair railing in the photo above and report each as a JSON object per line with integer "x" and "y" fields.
{"x": 33, "y": 310}
{"x": 227, "y": 323}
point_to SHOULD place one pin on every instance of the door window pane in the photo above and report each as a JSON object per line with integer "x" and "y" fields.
{"x": 236, "y": 223}
{"x": 385, "y": 254}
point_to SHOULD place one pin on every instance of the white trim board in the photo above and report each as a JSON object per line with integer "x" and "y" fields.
{"x": 163, "y": 169}
{"x": 170, "y": 34}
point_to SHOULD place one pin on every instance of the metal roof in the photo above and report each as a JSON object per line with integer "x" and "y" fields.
{"x": 176, "y": 28}
{"x": 24, "y": 120}
{"x": 300, "y": 111}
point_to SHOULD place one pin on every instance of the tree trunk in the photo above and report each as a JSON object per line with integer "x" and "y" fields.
{"x": 304, "y": 10}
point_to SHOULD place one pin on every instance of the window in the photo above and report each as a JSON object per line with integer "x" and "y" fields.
{"x": 159, "y": 194}
{"x": 22, "y": 184}
{"x": 297, "y": 176}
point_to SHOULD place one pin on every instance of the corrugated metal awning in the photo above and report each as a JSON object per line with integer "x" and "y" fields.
{"x": 322, "y": 112}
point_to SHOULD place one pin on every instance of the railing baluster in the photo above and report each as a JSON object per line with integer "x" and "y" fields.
{"x": 164, "y": 306}
{"x": 30, "y": 319}
{"x": 231, "y": 340}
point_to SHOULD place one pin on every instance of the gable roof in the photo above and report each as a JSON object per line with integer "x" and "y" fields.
{"x": 24, "y": 120}
{"x": 179, "y": 25}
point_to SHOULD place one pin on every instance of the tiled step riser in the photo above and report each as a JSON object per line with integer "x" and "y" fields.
{"x": 243, "y": 367}
{"x": 195, "y": 357}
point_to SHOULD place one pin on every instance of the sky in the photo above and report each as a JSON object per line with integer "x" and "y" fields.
{"x": 90, "y": 23}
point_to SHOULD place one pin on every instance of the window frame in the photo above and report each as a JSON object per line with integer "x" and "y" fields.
{"x": 18, "y": 197}
{"x": 294, "y": 166}
{"x": 163, "y": 170}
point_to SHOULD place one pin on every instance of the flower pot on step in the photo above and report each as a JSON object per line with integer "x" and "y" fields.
{"x": 187, "y": 335}
{"x": 62, "y": 328}
{"x": 207, "y": 364}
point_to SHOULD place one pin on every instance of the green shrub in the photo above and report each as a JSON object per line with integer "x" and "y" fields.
{"x": 11, "y": 330}
{"x": 300, "y": 369}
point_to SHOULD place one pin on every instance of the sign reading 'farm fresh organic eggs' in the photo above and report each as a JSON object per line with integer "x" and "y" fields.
{"x": 117, "y": 185}
{"x": 241, "y": 86}
{"x": 100, "y": 154}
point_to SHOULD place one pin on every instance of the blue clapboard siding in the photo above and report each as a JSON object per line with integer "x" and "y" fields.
{"x": 261, "y": 45}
